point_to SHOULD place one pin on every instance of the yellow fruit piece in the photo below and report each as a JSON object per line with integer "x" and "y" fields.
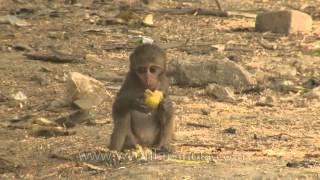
{"x": 152, "y": 99}
{"x": 148, "y": 20}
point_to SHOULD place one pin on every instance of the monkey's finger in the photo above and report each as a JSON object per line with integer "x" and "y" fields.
{"x": 166, "y": 104}
{"x": 142, "y": 107}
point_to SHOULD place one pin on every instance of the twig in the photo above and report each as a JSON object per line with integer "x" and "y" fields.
{"x": 219, "y": 5}
{"x": 55, "y": 57}
{"x": 198, "y": 145}
{"x": 241, "y": 14}
{"x": 194, "y": 11}
{"x": 60, "y": 157}
{"x": 198, "y": 125}
{"x": 267, "y": 45}
{"x": 263, "y": 104}
{"x": 205, "y": 12}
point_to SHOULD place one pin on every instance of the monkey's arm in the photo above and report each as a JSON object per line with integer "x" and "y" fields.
{"x": 120, "y": 131}
{"x": 123, "y": 104}
{"x": 130, "y": 101}
{"x": 165, "y": 117}
{"x": 165, "y": 110}
{"x": 121, "y": 119}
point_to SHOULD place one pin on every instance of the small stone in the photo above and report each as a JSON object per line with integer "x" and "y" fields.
{"x": 285, "y": 86}
{"x": 205, "y": 112}
{"x": 220, "y": 92}
{"x": 146, "y": 40}
{"x": 39, "y": 79}
{"x": 19, "y": 96}
{"x": 45, "y": 69}
{"x": 266, "y": 101}
{"x": 230, "y": 130}
{"x": 286, "y": 21}
{"x": 235, "y": 58}
{"x": 21, "y": 47}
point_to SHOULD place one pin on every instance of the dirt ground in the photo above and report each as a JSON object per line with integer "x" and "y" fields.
{"x": 280, "y": 140}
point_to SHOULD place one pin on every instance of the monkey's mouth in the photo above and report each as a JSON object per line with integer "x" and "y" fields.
{"x": 152, "y": 86}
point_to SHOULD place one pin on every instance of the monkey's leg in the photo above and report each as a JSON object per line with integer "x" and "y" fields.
{"x": 120, "y": 132}
{"x": 131, "y": 141}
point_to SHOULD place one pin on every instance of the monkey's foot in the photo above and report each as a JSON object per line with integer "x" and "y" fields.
{"x": 164, "y": 149}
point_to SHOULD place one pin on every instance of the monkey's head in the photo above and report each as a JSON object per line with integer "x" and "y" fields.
{"x": 148, "y": 64}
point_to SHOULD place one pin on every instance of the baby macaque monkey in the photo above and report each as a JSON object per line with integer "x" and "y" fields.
{"x": 142, "y": 111}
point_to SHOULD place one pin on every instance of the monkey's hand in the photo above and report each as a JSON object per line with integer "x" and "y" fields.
{"x": 140, "y": 105}
{"x": 165, "y": 110}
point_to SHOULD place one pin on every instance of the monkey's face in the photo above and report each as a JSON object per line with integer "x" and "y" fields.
{"x": 149, "y": 75}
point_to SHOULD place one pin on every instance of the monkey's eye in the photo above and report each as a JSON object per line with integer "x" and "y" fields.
{"x": 154, "y": 69}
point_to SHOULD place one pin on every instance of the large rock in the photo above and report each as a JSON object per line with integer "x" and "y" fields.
{"x": 287, "y": 21}
{"x": 84, "y": 91}
{"x": 202, "y": 73}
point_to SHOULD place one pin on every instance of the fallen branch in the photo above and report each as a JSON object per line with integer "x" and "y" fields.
{"x": 55, "y": 57}
{"x": 194, "y": 11}
{"x": 221, "y": 147}
{"x": 198, "y": 125}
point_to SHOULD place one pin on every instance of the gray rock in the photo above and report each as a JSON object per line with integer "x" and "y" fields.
{"x": 230, "y": 130}
{"x": 311, "y": 83}
{"x": 285, "y": 86}
{"x": 84, "y": 91}
{"x": 313, "y": 94}
{"x": 201, "y": 73}
{"x": 287, "y": 21}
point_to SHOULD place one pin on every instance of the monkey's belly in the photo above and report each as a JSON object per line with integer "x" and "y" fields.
{"x": 145, "y": 128}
